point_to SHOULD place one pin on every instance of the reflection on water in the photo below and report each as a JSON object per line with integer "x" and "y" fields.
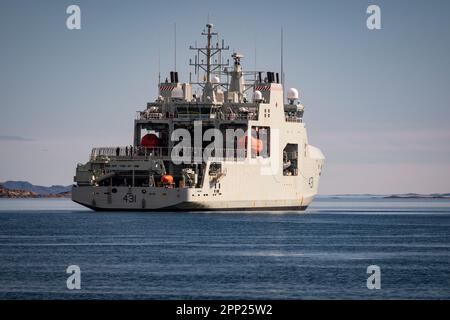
{"x": 323, "y": 253}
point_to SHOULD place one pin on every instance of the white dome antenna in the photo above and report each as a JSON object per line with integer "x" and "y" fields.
{"x": 257, "y": 96}
{"x": 215, "y": 80}
{"x": 292, "y": 95}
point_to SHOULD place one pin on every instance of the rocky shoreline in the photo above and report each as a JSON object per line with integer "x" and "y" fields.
{"x": 19, "y": 194}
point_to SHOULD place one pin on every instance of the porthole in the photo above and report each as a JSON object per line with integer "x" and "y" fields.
{"x": 114, "y": 190}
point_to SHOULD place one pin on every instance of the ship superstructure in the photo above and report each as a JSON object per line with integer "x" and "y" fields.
{"x": 225, "y": 140}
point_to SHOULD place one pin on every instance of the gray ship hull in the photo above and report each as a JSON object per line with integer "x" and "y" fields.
{"x": 187, "y": 207}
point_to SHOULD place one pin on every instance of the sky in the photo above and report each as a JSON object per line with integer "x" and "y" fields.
{"x": 377, "y": 102}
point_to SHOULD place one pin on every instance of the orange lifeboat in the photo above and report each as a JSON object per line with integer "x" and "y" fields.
{"x": 167, "y": 179}
{"x": 150, "y": 141}
{"x": 257, "y": 144}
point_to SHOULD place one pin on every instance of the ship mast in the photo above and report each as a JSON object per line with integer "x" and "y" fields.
{"x": 207, "y": 65}
{"x": 208, "y": 53}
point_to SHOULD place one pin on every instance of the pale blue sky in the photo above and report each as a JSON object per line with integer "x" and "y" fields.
{"x": 377, "y": 102}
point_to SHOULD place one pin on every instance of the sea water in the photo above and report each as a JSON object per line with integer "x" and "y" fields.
{"x": 322, "y": 253}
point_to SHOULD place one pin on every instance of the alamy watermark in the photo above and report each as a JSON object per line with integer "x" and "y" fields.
{"x": 73, "y": 22}
{"x": 374, "y": 280}
{"x": 263, "y": 146}
{"x": 373, "y": 22}
{"x": 74, "y": 280}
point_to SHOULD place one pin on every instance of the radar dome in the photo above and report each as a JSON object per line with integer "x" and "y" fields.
{"x": 257, "y": 95}
{"x": 292, "y": 94}
{"x": 215, "y": 80}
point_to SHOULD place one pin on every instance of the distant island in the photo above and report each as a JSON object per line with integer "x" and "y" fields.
{"x": 421, "y": 196}
{"x": 387, "y": 196}
{"x": 24, "y": 189}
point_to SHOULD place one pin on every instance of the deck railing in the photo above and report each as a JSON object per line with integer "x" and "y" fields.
{"x": 128, "y": 153}
{"x": 146, "y": 115}
{"x": 293, "y": 119}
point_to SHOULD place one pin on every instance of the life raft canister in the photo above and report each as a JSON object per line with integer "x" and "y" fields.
{"x": 257, "y": 144}
{"x": 167, "y": 179}
{"x": 150, "y": 141}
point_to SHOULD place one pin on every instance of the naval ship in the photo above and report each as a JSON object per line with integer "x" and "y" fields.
{"x": 225, "y": 140}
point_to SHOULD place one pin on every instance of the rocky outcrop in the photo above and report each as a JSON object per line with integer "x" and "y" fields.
{"x": 40, "y": 190}
{"x": 17, "y": 193}
{"x": 6, "y": 193}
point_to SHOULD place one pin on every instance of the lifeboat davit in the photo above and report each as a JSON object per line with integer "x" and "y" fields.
{"x": 150, "y": 141}
{"x": 257, "y": 144}
{"x": 167, "y": 179}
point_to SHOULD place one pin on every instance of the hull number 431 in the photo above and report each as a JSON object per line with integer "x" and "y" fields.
{"x": 129, "y": 197}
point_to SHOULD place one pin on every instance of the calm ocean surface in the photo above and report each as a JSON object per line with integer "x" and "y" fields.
{"x": 323, "y": 254}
